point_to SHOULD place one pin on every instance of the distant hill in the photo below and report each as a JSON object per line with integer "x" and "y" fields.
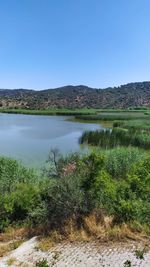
{"x": 125, "y": 96}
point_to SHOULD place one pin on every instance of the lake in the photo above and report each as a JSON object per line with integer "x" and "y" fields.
{"x": 29, "y": 138}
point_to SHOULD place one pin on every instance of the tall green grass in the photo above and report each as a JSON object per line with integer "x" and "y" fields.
{"x": 50, "y": 111}
{"x": 116, "y": 137}
{"x": 112, "y": 117}
{"x": 83, "y": 112}
{"x": 138, "y": 125}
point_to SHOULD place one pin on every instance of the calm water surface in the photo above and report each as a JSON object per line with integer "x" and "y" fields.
{"x": 29, "y": 138}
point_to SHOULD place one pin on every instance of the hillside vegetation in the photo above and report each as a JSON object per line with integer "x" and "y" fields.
{"x": 126, "y": 96}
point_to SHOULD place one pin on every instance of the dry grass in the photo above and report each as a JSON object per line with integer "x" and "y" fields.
{"x": 11, "y": 239}
{"x": 6, "y": 247}
{"x": 22, "y": 233}
{"x": 14, "y": 234}
{"x": 119, "y": 233}
{"x": 144, "y": 229}
{"x": 92, "y": 229}
{"x": 11, "y": 261}
{"x": 97, "y": 227}
{"x": 47, "y": 242}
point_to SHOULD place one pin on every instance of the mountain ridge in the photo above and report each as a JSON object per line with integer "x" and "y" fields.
{"x": 78, "y": 96}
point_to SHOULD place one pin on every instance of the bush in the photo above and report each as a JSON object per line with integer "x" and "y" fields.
{"x": 114, "y": 181}
{"x": 104, "y": 191}
{"x": 42, "y": 263}
{"x": 20, "y": 202}
{"x": 64, "y": 199}
{"x": 12, "y": 173}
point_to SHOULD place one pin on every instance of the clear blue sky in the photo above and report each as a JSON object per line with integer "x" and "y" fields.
{"x": 51, "y": 43}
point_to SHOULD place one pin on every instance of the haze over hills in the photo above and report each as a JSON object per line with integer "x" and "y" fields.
{"x": 125, "y": 96}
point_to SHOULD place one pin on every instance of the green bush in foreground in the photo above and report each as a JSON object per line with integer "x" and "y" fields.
{"x": 12, "y": 173}
{"x": 116, "y": 182}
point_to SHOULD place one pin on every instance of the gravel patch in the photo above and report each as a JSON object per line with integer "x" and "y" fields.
{"x": 91, "y": 254}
